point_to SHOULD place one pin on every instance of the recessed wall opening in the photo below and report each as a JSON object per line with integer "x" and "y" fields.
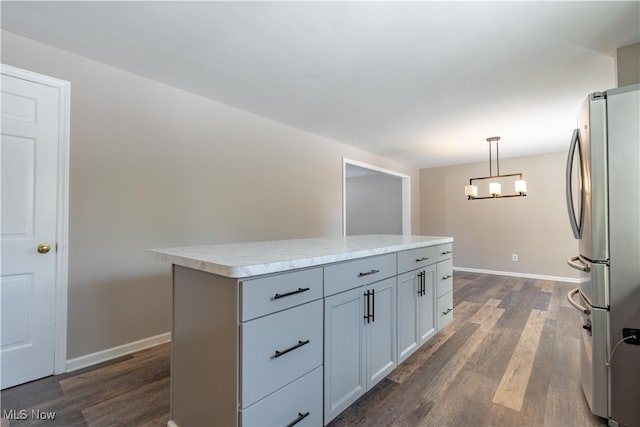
{"x": 375, "y": 200}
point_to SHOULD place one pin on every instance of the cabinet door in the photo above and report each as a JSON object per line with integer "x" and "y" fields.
{"x": 426, "y": 306}
{"x": 408, "y": 318}
{"x": 344, "y": 351}
{"x": 381, "y": 331}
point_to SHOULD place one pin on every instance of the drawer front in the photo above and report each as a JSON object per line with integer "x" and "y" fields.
{"x": 444, "y": 271}
{"x": 445, "y": 310}
{"x": 444, "y": 251}
{"x": 279, "y": 348}
{"x": 267, "y": 295}
{"x": 417, "y": 258}
{"x": 300, "y": 400}
{"x": 351, "y": 274}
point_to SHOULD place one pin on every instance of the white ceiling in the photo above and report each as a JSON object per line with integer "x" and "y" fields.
{"x": 420, "y": 82}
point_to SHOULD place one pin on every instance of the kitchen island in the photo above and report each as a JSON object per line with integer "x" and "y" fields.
{"x": 294, "y": 331}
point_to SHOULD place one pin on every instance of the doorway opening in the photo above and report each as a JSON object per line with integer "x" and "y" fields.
{"x": 375, "y": 200}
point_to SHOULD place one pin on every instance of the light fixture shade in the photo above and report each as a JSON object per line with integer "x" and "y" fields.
{"x": 495, "y": 189}
{"x": 471, "y": 190}
{"x": 521, "y": 186}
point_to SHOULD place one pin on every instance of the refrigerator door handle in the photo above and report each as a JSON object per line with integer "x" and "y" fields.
{"x": 576, "y": 262}
{"x": 575, "y": 305}
{"x": 576, "y": 224}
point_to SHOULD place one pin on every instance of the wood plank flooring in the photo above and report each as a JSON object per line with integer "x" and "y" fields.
{"x": 509, "y": 358}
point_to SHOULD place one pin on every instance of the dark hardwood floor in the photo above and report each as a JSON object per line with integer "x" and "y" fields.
{"x": 129, "y": 391}
{"x": 510, "y": 358}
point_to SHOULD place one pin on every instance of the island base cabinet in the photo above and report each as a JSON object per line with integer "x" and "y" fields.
{"x": 407, "y": 289}
{"x": 381, "y": 332}
{"x": 204, "y": 349}
{"x": 344, "y": 347}
{"x": 298, "y": 403}
{"x": 416, "y": 310}
{"x": 427, "y": 305}
{"x": 360, "y": 337}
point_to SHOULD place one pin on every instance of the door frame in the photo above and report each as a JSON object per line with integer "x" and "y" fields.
{"x": 62, "y": 211}
{"x": 406, "y": 192}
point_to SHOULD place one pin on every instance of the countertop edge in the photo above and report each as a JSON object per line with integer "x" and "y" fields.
{"x": 251, "y": 270}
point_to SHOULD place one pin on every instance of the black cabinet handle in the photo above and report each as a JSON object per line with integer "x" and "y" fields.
{"x": 421, "y": 283}
{"x": 449, "y": 310}
{"x": 282, "y": 353}
{"x": 300, "y": 290}
{"x": 367, "y": 308}
{"x": 445, "y": 253}
{"x": 373, "y": 306}
{"x": 446, "y": 277}
{"x": 368, "y": 273}
{"x": 301, "y": 417}
{"x": 424, "y": 258}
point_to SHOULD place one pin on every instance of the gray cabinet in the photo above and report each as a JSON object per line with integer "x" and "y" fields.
{"x": 381, "y": 331}
{"x": 247, "y": 352}
{"x": 344, "y": 351}
{"x": 444, "y": 293}
{"x": 426, "y": 306}
{"x": 416, "y": 310}
{"x": 360, "y": 343}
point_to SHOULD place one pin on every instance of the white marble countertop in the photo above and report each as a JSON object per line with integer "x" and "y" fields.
{"x": 239, "y": 260}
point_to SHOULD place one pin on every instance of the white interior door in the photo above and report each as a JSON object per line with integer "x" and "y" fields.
{"x": 29, "y": 161}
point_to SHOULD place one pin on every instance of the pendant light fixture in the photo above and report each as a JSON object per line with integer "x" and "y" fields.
{"x": 495, "y": 187}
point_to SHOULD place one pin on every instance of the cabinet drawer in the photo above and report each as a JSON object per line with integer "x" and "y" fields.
{"x": 444, "y": 277}
{"x": 444, "y": 251}
{"x": 350, "y": 274}
{"x": 269, "y": 294}
{"x": 445, "y": 310}
{"x": 279, "y": 348}
{"x": 287, "y": 405}
{"x": 416, "y": 258}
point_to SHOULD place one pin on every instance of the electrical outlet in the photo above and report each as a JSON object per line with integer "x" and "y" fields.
{"x": 631, "y": 332}
{"x": 514, "y": 257}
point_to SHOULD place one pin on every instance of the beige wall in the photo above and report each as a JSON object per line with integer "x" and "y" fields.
{"x": 374, "y": 204}
{"x": 628, "y": 65}
{"x": 154, "y": 166}
{"x": 487, "y": 232}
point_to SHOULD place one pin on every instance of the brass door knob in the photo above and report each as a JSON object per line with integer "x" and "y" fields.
{"x": 43, "y": 248}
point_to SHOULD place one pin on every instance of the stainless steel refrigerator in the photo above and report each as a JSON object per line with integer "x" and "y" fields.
{"x": 603, "y": 200}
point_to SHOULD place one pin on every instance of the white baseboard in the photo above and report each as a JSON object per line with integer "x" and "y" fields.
{"x": 114, "y": 352}
{"x": 524, "y": 275}
{"x": 171, "y": 423}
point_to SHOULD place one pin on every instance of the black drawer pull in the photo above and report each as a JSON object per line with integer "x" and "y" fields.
{"x": 448, "y": 276}
{"x": 368, "y": 273}
{"x": 300, "y": 290}
{"x": 281, "y": 353}
{"x": 449, "y": 310}
{"x": 424, "y": 258}
{"x": 445, "y": 253}
{"x": 301, "y": 417}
